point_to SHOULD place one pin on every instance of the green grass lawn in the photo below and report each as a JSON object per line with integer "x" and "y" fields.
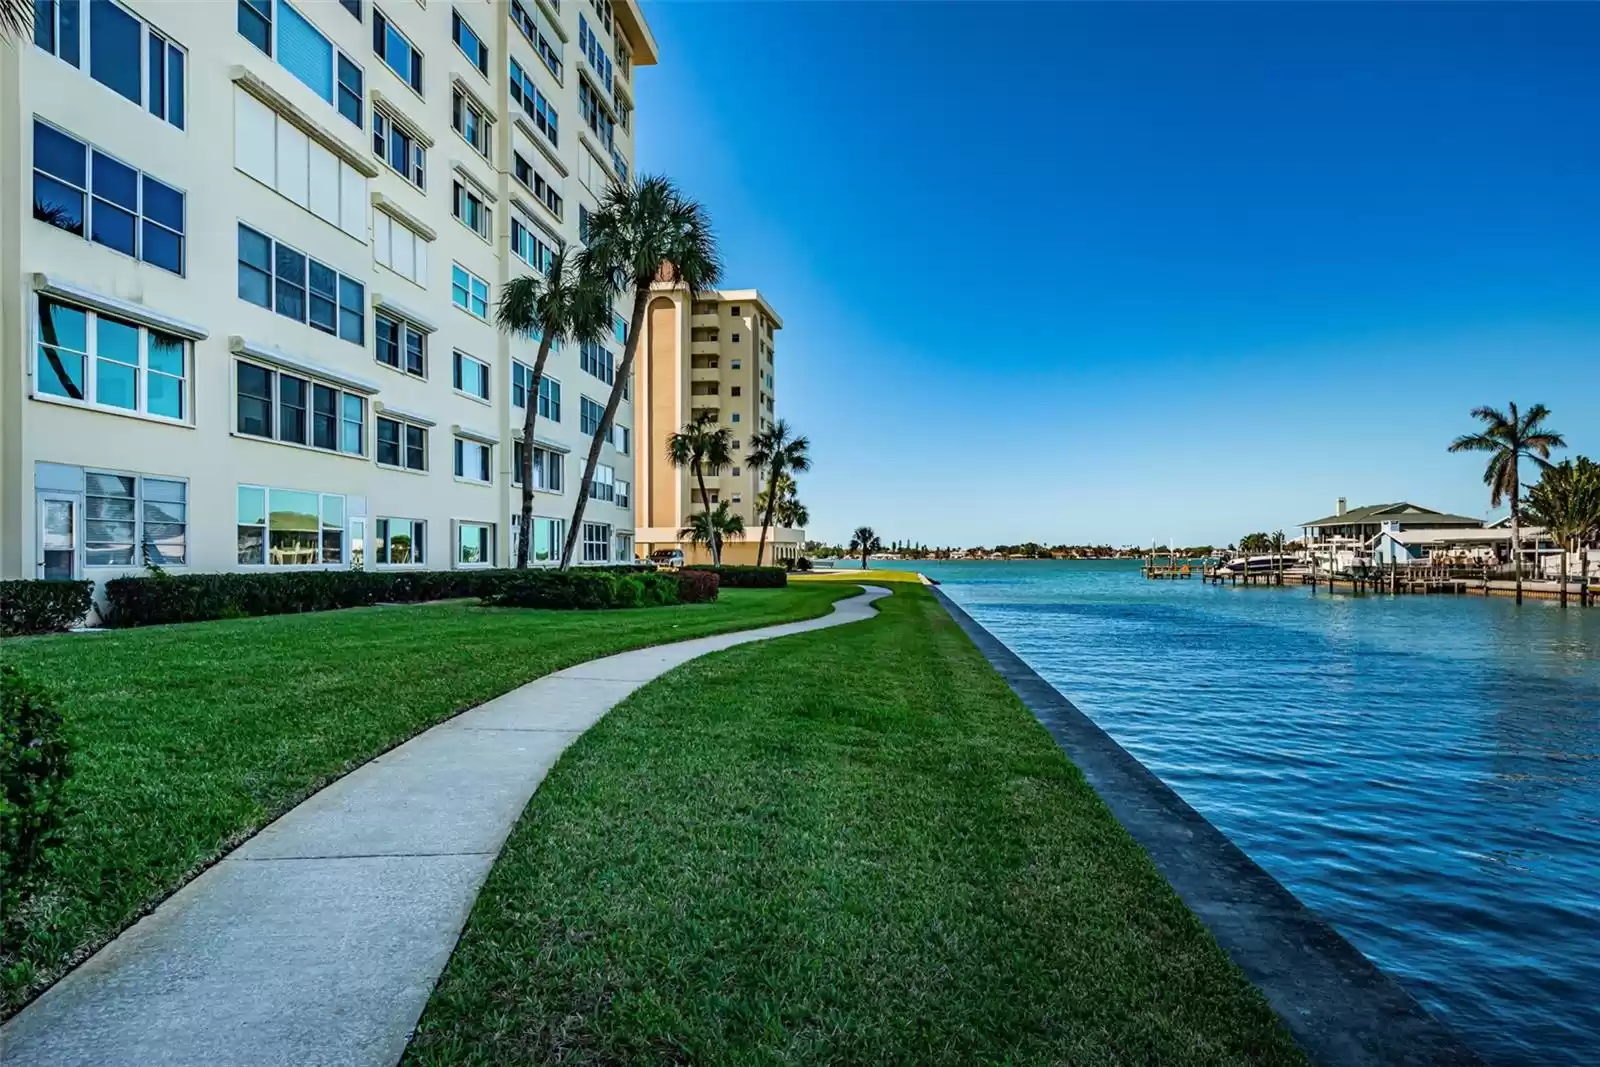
{"x": 190, "y": 738}
{"x": 848, "y": 847}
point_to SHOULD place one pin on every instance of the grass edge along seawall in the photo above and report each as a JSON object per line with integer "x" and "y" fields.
{"x": 855, "y": 845}
{"x": 192, "y": 737}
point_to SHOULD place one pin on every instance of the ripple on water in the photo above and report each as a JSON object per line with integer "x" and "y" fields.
{"x": 1424, "y": 772}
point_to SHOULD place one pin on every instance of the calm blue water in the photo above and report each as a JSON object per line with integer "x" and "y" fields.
{"x": 1424, "y": 772}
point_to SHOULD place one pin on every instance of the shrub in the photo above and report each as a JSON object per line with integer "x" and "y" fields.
{"x": 43, "y": 606}
{"x": 659, "y": 589}
{"x": 697, "y": 586}
{"x": 747, "y": 577}
{"x": 35, "y": 762}
{"x": 584, "y": 589}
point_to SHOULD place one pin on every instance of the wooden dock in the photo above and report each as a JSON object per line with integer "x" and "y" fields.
{"x": 1385, "y": 581}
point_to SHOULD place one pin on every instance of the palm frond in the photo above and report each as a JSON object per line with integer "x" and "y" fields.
{"x": 16, "y": 19}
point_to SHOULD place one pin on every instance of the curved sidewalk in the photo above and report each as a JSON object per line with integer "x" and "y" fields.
{"x": 319, "y": 940}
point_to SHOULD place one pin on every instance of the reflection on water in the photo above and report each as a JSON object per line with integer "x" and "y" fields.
{"x": 1422, "y": 771}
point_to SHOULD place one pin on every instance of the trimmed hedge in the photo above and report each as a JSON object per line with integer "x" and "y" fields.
{"x": 742, "y": 577}
{"x": 42, "y": 606}
{"x": 164, "y": 598}
{"x": 583, "y": 589}
{"x": 35, "y": 762}
{"x": 697, "y": 586}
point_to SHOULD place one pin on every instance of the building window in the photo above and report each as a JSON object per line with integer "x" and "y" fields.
{"x": 735, "y": 390}
{"x": 400, "y": 248}
{"x": 99, "y": 360}
{"x": 402, "y": 445}
{"x": 596, "y": 542}
{"x": 534, "y": 104}
{"x": 396, "y": 51}
{"x": 545, "y": 191}
{"x": 400, "y": 345}
{"x": 548, "y": 468}
{"x": 124, "y": 53}
{"x": 622, "y": 493}
{"x": 122, "y": 512}
{"x": 470, "y": 210}
{"x": 402, "y": 152}
{"x": 306, "y": 52}
{"x": 735, "y": 416}
{"x": 400, "y": 542}
{"x": 469, "y": 292}
{"x": 549, "y": 399}
{"x": 287, "y": 407}
{"x": 589, "y": 415}
{"x": 352, "y": 6}
{"x": 603, "y": 485}
{"x": 531, "y": 249}
{"x": 473, "y": 461}
{"x": 86, "y": 192}
{"x": 593, "y": 51}
{"x": 621, "y": 438}
{"x": 736, "y": 444}
{"x": 466, "y": 40}
{"x": 290, "y": 527}
{"x": 533, "y": 28}
{"x": 597, "y": 360}
{"x": 548, "y": 537}
{"x": 594, "y": 114}
{"x": 471, "y": 376}
{"x": 472, "y": 124}
{"x": 274, "y": 276}
{"x": 474, "y": 544}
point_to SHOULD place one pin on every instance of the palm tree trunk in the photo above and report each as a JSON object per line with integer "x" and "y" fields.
{"x": 863, "y": 557}
{"x": 705, "y": 503}
{"x": 1583, "y": 574}
{"x": 641, "y": 300}
{"x": 1563, "y": 572}
{"x": 1516, "y": 544}
{"x": 528, "y": 419}
{"x": 766, "y": 517}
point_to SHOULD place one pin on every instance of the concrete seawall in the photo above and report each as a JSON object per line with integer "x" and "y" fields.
{"x": 1342, "y": 1010}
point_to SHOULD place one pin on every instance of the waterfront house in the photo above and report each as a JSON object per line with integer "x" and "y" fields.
{"x": 1350, "y": 533}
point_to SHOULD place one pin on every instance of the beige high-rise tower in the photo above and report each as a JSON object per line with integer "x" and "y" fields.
{"x": 705, "y": 352}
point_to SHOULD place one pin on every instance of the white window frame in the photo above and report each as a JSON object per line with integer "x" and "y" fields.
{"x": 603, "y": 486}
{"x": 599, "y": 361}
{"x": 380, "y": 47}
{"x": 90, "y": 357}
{"x": 339, "y": 280}
{"x": 384, "y": 229}
{"x": 526, "y": 94}
{"x": 323, "y": 528}
{"x": 140, "y": 548}
{"x": 461, "y": 106}
{"x": 404, "y": 444}
{"x": 480, "y": 62}
{"x": 275, "y": 410}
{"x": 458, "y": 362}
{"x": 597, "y": 542}
{"x": 407, "y": 329}
{"x": 382, "y": 531}
{"x": 470, "y": 209}
{"x": 557, "y": 529}
{"x": 465, "y": 450}
{"x": 543, "y": 189}
{"x": 384, "y": 127}
{"x": 532, "y": 29}
{"x": 582, "y": 414}
{"x": 140, "y": 219}
{"x": 471, "y": 287}
{"x": 489, "y": 544}
{"x": 528, "y": 246}
{"x": 623, "y": 493}
{"x": 549, "y": 469}
{"x": 147, "y": 31}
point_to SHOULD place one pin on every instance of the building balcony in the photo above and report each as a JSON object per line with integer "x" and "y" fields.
{"x": 705, "y": 374}
{"x": 705, "y": 348}
{"x": 705, "y": 400}
{"x": 712, "y": 320}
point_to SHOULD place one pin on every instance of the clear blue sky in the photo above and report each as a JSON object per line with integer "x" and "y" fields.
{"x": 1029, "y": 255}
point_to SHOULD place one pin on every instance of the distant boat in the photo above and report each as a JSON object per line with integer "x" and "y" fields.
{"x": 1256, "y": 564}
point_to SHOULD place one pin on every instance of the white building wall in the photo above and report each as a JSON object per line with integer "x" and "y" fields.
{"x": 259, "y": 147}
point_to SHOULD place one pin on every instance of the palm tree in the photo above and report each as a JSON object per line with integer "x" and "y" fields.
{"x": 559, "y": 306}
{"x": 644, "y": 232}
{"x": 776, "y": 451}
{"x": 713, "y": 526}
{"x": 1566, "y": 502}
{"x": 1508, "y": 439}
{"x": 701, "y": 444}
{"x": 16, "y": 18}
{"x": 866, "y": 542}
{"x": 792, "y": 514}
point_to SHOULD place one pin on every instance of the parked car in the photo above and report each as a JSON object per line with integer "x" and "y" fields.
{"x": 667, "y": 557}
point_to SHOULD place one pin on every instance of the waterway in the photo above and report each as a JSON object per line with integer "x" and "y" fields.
{"x": 1424, "y": 772}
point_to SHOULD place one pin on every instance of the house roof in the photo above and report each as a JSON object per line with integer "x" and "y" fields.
{"x": 1400, "y": 511}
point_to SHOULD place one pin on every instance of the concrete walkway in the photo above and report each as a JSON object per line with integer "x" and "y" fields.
{"x": 319, "y": 941}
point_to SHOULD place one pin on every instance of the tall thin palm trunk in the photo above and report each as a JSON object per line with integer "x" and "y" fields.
{"x": 766, "y": 516}
{"x": 1516, "y": 537}
{"x": 705, "y": 503}
{"x": 602, "y": 433}
{"x": 528, "y": 420}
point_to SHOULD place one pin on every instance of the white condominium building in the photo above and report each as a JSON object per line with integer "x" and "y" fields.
{"x": 249, "y": 257}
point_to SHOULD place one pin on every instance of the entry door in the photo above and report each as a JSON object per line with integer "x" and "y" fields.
{"x": 58, "y": 535}
{"x": 358, "y": 544}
